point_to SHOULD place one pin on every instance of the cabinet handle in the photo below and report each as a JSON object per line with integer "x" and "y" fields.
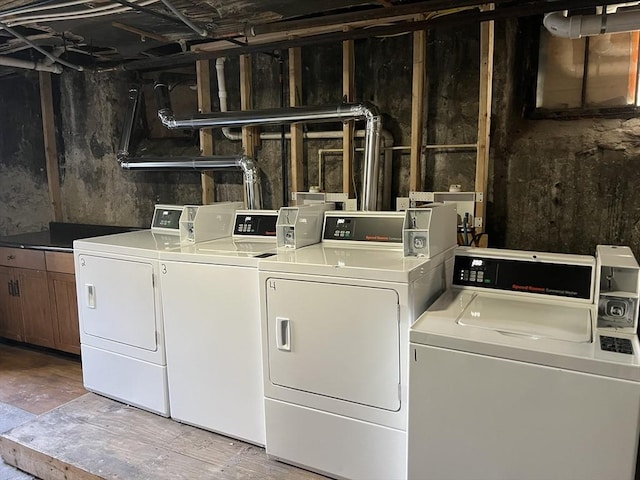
{"x": 17, "y": 288}
{"x": 11, "y": 257}
{"x": 10, "y": 285}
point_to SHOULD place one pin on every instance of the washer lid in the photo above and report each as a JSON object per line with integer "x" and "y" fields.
{"x": 531, "y": 319}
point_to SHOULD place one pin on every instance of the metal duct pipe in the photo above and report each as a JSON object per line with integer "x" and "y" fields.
{"x": 200, "y": 31}
{"x": 577, "y": 26}
{"x": 203, "y": 163}
{"x": 30, "y": 65}
{"x": 279, "y": 116}
{"x": 125, "y": 140}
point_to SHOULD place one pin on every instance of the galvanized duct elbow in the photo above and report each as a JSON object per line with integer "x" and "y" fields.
{"x": 204, "y": 163}
{"x": 282, "y": 116}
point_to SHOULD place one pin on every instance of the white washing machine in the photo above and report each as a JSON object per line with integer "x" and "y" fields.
{"x": 120, "y": 311}
{"x": 511, "y": 377}
{"x": 335, "y": 324}
{"x": 212, "y": 322}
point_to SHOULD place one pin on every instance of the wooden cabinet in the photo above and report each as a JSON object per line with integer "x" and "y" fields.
{"x": 26, "y": 314}
{"x": 38, "y": 298}
{"x": 10, "y": 311}
{"x": 64, "y": 304}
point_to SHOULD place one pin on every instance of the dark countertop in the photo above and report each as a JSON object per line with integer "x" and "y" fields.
{"x": 60, "y": 236}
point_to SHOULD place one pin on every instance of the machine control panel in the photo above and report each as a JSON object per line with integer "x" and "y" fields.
{"x": 258, "y": 224}
{"x": 364, "y": 229}
{"x": 564, "y": 280}
{"x": 615, "y": 344}
{"x": 167, "y": 217}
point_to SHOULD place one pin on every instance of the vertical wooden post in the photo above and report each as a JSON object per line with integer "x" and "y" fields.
{"x": 417, "y": 109}
{"x": 348, "y": 90}
{"x": 203, "y": 76}
{"x": 295, "y": 92}
{"x": 50, "y": 147}
{"x": 484, "y": 117}
{"x": 246, "y": 103}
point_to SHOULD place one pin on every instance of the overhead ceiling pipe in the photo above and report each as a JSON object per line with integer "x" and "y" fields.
{"x": 281, "y": 116}
{"x": 577, "y": 26}
{"x": 205, "y": 163}
{"x": 199, "y": 163}
{"x": 29, "y": 65}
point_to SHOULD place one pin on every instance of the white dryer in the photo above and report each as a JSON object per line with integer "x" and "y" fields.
{"x": 212, "y": 321}
{"x": 120, "y": 311}
{"x": 335, "y": 324}
{"x": 510, "y": 378}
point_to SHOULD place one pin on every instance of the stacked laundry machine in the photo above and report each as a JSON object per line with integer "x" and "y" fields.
{"x": 528, "y": 368}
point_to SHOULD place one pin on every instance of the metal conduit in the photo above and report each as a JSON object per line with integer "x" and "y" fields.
{"x": 198, "y": 163}
{"x": 316, "y": 114}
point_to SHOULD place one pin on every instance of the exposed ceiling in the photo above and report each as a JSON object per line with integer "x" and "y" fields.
{"x": 147, "y": 34}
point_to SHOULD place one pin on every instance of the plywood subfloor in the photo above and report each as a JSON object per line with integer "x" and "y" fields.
{"x": 94, "y": 437}
{"x": 38, "y": 381}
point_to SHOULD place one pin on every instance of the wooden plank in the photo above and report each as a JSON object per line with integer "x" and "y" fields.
{"x": 249, "y": 141}
{"x": 484, "y": 116}
{"x": 40, "y": 464}
{"x": 417, "y": 107}
{"x": 50, "y": 147}
{"x": 110, "y": 440}
{"x": 295, "y": 99}
{"x": 348, "y": 91}
{"x": 143, "y": 33}
{"x": 203, "y": 77}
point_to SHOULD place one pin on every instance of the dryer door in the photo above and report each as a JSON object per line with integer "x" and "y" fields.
{"x": 339, "y": 341}
{"x": 117, "y": 300}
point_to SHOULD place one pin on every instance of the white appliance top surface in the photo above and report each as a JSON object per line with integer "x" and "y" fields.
{"x": 374, "y": 263}
{"x": 140, "y": 242}
{"x": 541, "y": 331}
{"x": 508, "y": 316}
{"x": 228, "y": 251}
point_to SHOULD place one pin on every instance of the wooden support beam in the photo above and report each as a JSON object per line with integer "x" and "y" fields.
{"x": 295, "y": 99}
{"x": 50, "y": 147}
{"x": 417, "y": 109}
{"x": 249, "y": 141}
{"x": 143, "y": 33}
{"x": 348, "y": 91}
{"x": 203, "y": 77}
{"x": 484, "y": 117}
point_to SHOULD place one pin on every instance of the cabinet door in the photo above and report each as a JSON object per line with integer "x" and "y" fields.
{"x": 64, "y": 311}
{"x": 10, "y": 313}
{"x": 36, "y": 310}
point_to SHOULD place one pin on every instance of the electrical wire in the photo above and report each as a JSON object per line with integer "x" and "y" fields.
{"x": 81, "y": 14}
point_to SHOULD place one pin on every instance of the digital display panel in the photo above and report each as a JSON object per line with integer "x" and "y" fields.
{"x": 364, "y": 229}
{"x": 166, "y": 218}
{"x": 262, "y": 225}
{"x": 524, "y": 276}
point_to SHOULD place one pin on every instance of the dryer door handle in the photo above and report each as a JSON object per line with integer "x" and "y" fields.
{"x": 91, "y": 295}
{"x": 283, "y": 334}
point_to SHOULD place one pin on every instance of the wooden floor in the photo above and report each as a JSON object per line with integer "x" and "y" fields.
{"x": 37, "y": 381}
{"x": 86, "y": 436}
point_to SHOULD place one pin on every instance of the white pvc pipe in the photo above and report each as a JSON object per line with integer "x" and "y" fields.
{"x": 29, "y": 65}
{"x": 88, "y": 13}
{"x": 577, "y": 26}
